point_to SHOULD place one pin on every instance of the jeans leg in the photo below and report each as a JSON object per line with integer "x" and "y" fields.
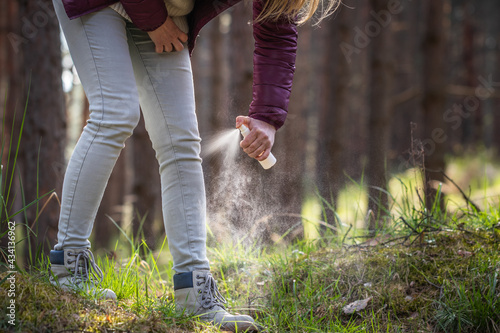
{"x": 99, "y": 48}
{"x": 166, "y": 94}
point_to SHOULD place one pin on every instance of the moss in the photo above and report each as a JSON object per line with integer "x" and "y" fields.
{"x": 404, "y": 282}
{"x": 44, "y": 308}
{"x": 300, "y": 290}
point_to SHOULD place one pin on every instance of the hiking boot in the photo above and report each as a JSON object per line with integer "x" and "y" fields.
{"x": 196, "y": 293}
{"x": 75, "y": 269}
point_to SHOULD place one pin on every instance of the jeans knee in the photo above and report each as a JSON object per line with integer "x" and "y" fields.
{"x": 132, "y": 117}
{"x": 190, "y": 146}
{"x": 180, "y": 149}
{"x": 119, "y": 117}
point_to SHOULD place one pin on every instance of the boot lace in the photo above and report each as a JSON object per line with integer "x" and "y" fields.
{"x": 85, "y": 269}
{"x": 211, "y": 295}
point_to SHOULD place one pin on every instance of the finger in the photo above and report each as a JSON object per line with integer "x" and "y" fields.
{"x": 264, "y": 155}
{"x": 259, "y": 152}
{"x": 178, "y": 46}
{"x": 248, "y": 140}
{"x": 254, "y": 149}
{"x": 255, "y": 153}
{"x": 261, "y": 139}
{"x": 159, "y": 48}
{"x": 183, "y": 38}
{"x": 168, "y": 47}
{"x": 240, "y": 120}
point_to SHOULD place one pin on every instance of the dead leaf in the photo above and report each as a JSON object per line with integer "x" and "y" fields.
{"x": 465, "y": 254}
{"x": 356, "y": 306}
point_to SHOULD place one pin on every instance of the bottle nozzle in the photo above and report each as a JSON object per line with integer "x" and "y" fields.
{"x": 244, "y": 130}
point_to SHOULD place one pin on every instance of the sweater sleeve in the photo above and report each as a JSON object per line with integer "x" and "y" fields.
{"x": 273, "y": 66}
{"x": 147, "y": 15}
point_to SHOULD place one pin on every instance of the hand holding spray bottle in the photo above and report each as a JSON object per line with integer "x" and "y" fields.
{"x": 270, "y": 160}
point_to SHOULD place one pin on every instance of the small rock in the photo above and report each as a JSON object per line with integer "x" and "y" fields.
{"x": 356, "y": 306}
{"x": 465, "y": 254}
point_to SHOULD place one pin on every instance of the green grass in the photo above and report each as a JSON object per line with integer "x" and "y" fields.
{"x": 449, "y": 283}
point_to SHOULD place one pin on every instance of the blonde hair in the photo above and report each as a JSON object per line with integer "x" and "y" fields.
{"x": 297, "y": 10}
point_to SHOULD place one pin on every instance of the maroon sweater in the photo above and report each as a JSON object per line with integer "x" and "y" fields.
{"x": 274, "y": 55}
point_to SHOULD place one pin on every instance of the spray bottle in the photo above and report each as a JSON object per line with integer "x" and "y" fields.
{"x": 270, "y": 160}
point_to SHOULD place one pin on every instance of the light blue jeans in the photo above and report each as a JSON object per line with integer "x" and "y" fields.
{"x": 120, "y": 70}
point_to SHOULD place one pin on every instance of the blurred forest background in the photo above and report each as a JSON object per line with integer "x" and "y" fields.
{"x": 381, "y": 86}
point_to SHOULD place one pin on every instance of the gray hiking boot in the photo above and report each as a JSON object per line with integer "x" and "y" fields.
{"x": 196, "y": 293}
{"x": 75, "y": 269}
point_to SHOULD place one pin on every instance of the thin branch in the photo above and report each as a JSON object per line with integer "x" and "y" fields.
{"x": 466, "y": 198}
{"x": 409, "y": 226}
{"x": 343, "y": 239}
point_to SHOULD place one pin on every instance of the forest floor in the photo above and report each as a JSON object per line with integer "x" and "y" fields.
{"x": 443, "y": 279}
{"x": 426, "y": 271}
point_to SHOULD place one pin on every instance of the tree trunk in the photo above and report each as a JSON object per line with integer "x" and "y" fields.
{"x": 434, "y": 99}
{"x": 44, "y": 128}
{"x": 406, "y": 101}
{"x": 111, "y": 205}
{"x": 382, "y": 72}
{"x": 335, "y": 76}
{"x": 219, "y": 118}
{"x": 359, "y": 92}
{"x": 473, "y": 127}
{"x": 146, "y": 186}
{"x": 10, "y": 98}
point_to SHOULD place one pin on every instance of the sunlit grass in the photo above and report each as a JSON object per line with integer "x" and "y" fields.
{"x": 449, "y": 282}
{"x": 311, "y": 211}
{"x": 352, "y": 202}
{"x": 478, "y": 176}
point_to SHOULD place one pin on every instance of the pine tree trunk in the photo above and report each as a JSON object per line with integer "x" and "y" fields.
{"x": 111, "y": 206}
{"x": 335, "y": 76}
{"x": 10, "y": 98}
{"x": 406, "y": 102}
{"x": 382, "y": 72}
{"x": 219, "y": 113}
{"x": 473, "y": 127}
{"x": 45, "y": 126}
{"x": 146, "y": 187}
{"x": 434, "y": 99}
